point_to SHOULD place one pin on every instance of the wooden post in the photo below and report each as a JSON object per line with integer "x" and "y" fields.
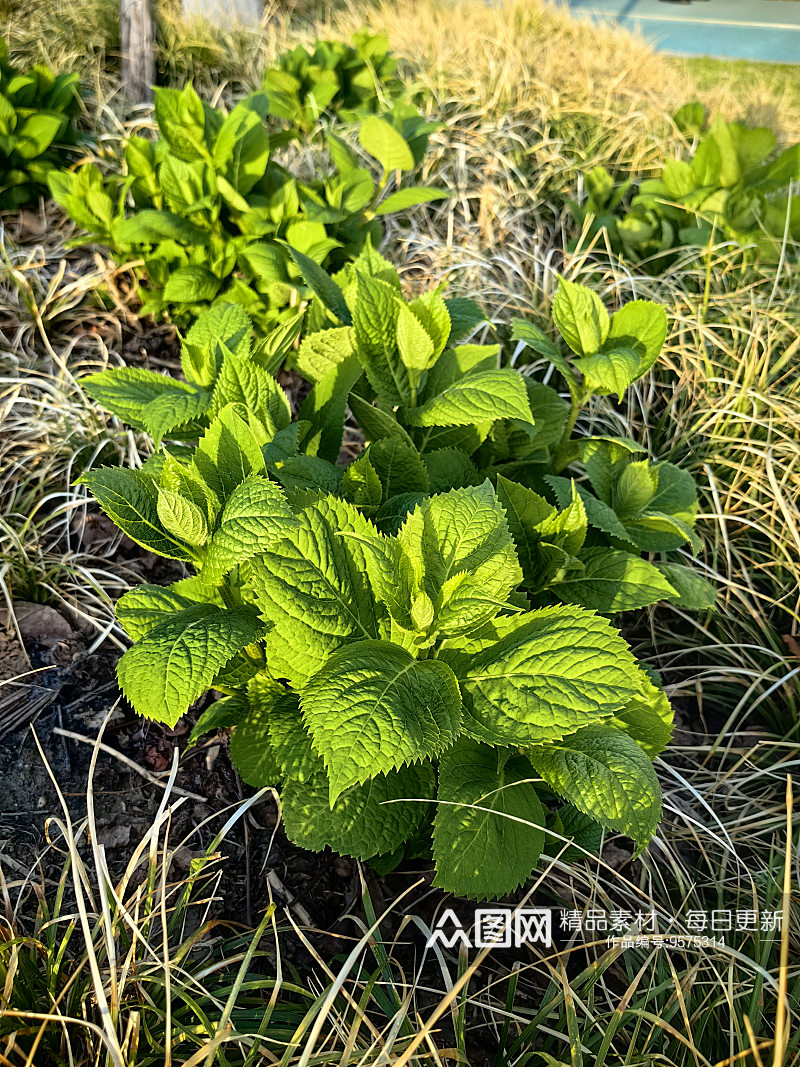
{"x": 137, "y": 34}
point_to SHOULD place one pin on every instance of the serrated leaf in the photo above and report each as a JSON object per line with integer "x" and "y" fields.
{"x": 130, "y": 499}
{"x": 414, "y": 343}
{"x": 640, "y": 325}
{"x": 127, "y": 391}
{"x": 613, "y": 581}
{"x": 375, "y": 315}
{"x": 227, "y": 453}
{"x": 466, "y": 531}
{"x": 365, "y": 821}
{"x": 609, "y": 372}
{"x": 647, "y": 717}
{"x": 465, "y": 316}
{"x": 241, "y": 381}
{"x": 324, "y": 409}
{"x": 182, "y": 518}
{"x": 635, "y": 489}
{"x": 171, "y": 411}
{"x": 200, "y": 354}
{"x": 145, "y": 606}
{"x": 558, "y": 669}
{"x": 289, "y": 740}
{"x": 362, "y": 486}
{"x": 251, "y": 750}
{"x": 605, "y": 774}
{"x": 176, "y": 661}
{"x": 221, "y": 715}
{"x": 256, "y": 516}
{"x": 373, "y": 708}
{"x": 692, "y": 591}
{"x": 450, "y": 468}
{"x": 377, "y": 422}
{"x": 323, "y": 286}
{"x": 481, "y": 396}
{"x": 538, "y": 341}
{"x": 488, "y": 830}
{"x": 399, "y": 467}
{"x": 191, "y": 285}
{"x": 321, "y": 352}
{"x": 581, "y": 318}
{"x": 314, "y": 587}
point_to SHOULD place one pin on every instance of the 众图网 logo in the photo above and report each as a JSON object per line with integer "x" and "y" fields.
{"x": 495, "y": 928}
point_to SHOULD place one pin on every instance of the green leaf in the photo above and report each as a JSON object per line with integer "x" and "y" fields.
{"x": 605, "y": 774}
{"x": 375, "y": 316}
{"x": 127, "y": 391}
{"x": 399, "y": 467}
{"x": 463, "y": 532}
{"x": 321, "y": 352}
{"x": 221, "y": 715}
{"x": 323, "y": 286}
{"x": 611, "y": 372}
{"x": 325, "y": 406}
{"x": 362, "y": 486}
{"x": 314, "y": 587}
{"x": 450, "y": 468}
{"x": 376, "y": 421}
{"x": 647, "y": 717}
{"x": 227, "y": 453}
{"x": 174, "y": 664}
{"x": 635, "y": 488}
{"x": 250, "y": 747}
{"x": 256, "y": 516}
{"x": 174, "y": 411}
{"x": 201, "y": 353}
{"x": 384, "y": 142}
{"x": 373, "y": 708}
{"x": 182, "y": 518}
{"x": 191, "y": 285}
{"x": 365, "y": 821}
{"x": 540, "y": 343}
{"x": 243, "y": 382}
{"x": 488, "y": 830}
{"x": 413, "y": 341}
{"x": 289, "y": 740}
{"x": 613, "y": 581}
{"x": 465, "y": 316}
{"x": 581, "y": 318}
{"x": 145, "y": 606}
{"x": 478, "y": 397}
{"x": 130, "y": 499}
{"x": 405, "y": 198}
{"x": 692, "y": 591}
{"x": 554, "y": 671}
{"x": 639, "y": 325}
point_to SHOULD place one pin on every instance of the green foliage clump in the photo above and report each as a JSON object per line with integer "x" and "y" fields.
{"x": 419, "y": 646}
{"x": 208, "y": 208}
{"x": 735, "y": 188}
{"x": 37, "y": 112}
{"x": 345, "y": 81}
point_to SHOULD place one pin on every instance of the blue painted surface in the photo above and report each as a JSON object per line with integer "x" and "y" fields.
{"x": 767, "y": 30}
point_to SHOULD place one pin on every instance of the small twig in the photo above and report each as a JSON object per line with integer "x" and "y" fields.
{"x": 290, "y": 898}
{"x": 128, "y": 763}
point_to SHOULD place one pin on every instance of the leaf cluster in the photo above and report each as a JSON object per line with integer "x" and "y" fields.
{"x": 37, "y": 112}
{"x": 418, "y": 646}
{"x": 335, "y": 80}
{"x": 208, "y": 207}
{"x": 735, "y": 187}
